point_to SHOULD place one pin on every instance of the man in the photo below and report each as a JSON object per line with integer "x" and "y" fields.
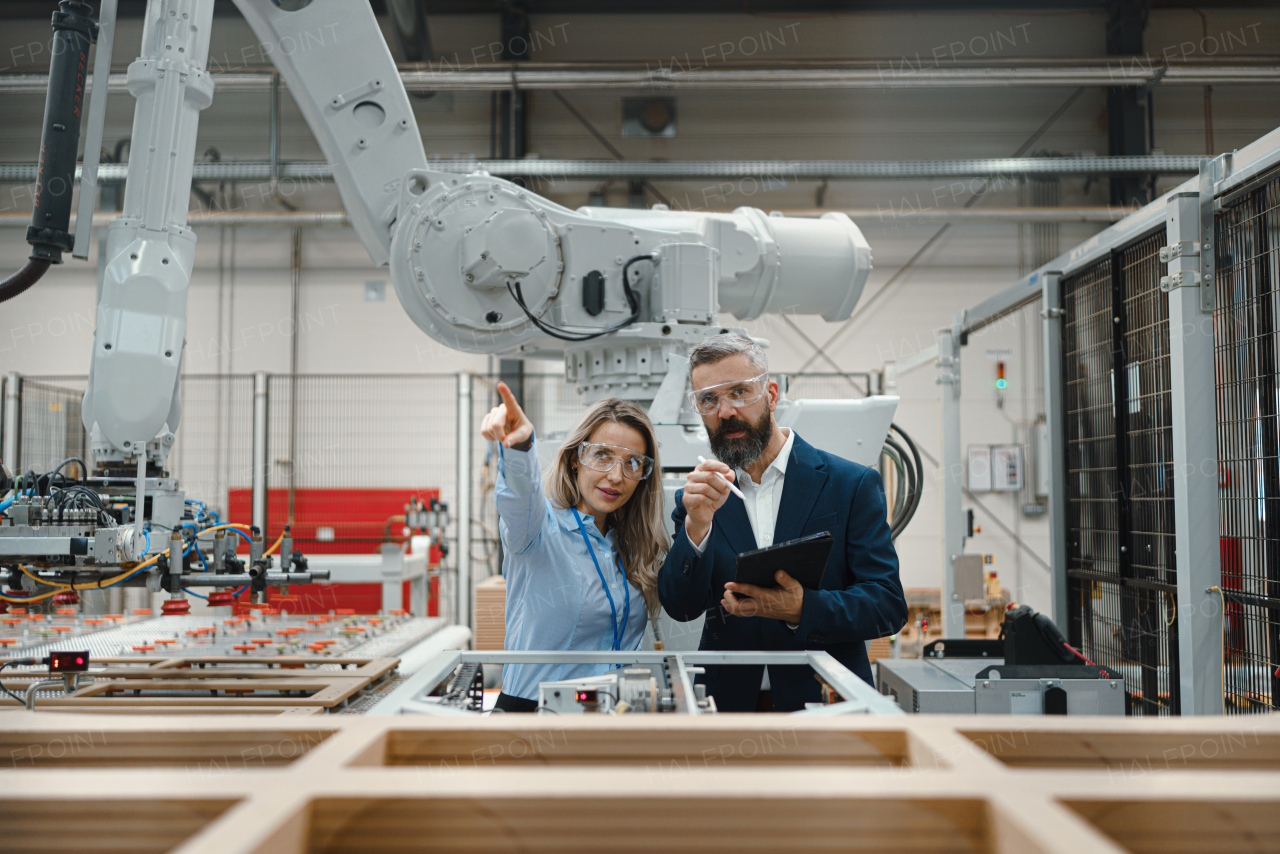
{"x": 792, "y": 489}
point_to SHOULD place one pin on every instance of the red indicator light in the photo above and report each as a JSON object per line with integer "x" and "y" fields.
{"x": 60, "y": 662}
{"x": 586, "y": 696}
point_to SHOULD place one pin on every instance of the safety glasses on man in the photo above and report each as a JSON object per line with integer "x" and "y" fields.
{"x": 603, "y": 457}
{"x": 737, "y": 393}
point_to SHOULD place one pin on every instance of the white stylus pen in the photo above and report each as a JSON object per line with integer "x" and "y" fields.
{"x": 732, "y": 488}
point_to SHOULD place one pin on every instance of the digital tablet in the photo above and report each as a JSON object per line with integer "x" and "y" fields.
{"x": 803, "y": 559}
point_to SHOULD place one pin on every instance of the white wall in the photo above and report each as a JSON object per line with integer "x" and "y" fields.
{"x": 239, "y": 318}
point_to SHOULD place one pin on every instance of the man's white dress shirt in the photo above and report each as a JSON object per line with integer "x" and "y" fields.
{"x": 762, "y": 499}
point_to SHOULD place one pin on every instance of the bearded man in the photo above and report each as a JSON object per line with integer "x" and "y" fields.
{"x": 791, "y": 489}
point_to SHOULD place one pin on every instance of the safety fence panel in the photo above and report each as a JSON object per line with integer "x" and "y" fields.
{"x": 826, "y": 386}
{"x": 212, "y": 452}
{"x": 1247, "y": 364}
{"x": 50, "y": 428}
{"x": 346, "y": 452}
{"x": 1119, "y": 460}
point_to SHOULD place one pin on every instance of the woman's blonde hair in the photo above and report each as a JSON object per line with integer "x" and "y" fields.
{"x": 641, "y": 537}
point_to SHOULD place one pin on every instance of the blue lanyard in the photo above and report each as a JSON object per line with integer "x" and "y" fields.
{"x": 613, "y": 610}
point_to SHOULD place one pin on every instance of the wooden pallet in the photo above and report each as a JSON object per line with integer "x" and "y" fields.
{"x": 183, "y": 683}
{"x": 723, "y": 783}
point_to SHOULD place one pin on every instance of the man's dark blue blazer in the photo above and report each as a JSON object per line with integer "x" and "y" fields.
{"x": 860, "y": 598}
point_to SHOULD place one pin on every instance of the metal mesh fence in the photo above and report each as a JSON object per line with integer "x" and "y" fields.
{"x": 828, "y": 386}
{"x": 214, "y": 443}
{"x": 51, "y": 429}
{"x": 345, "y": 453}
{"x": 1245, "y": 344}
{"x": 1119, "y": 459}
{"x": 213, "y": 448}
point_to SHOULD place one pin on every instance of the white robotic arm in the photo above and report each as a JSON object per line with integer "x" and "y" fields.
{"x": 461, "y": 248}
{"x": 479, "y": 263}
{"x": 132, "y": 403}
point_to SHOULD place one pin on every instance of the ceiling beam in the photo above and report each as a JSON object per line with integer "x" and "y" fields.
{"x": 669, "y": 75}
{"x": 761, "y": 171}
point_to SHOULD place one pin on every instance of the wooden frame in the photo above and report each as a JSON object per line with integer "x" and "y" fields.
{"x": 728, "y": 783}
{"x": 213, "y": 683}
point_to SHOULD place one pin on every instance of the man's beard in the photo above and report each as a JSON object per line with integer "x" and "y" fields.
{"x": 746, "y": 449}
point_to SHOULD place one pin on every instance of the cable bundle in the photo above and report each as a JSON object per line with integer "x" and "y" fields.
{"x": 910, "y": 470}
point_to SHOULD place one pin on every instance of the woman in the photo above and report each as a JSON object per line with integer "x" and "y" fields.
{"x": 582, "y": 552}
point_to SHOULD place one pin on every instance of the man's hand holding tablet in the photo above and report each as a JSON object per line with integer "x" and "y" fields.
{"x": 783, "y": 599}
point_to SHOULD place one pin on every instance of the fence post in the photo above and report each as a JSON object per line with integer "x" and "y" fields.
{"x": 12, "y": 419}
{"x": 1197, "y": 542}
{"x": 1051, "y": 312}
{"x": 260, "y": 450}
{"x": 463, "y": 500}
{"x": 953, "y": 524}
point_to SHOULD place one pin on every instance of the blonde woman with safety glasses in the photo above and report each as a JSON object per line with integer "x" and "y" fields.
{"x": 581, "y": 551}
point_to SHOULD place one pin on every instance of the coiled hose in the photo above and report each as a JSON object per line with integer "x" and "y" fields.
{"x": 910, "y": 471}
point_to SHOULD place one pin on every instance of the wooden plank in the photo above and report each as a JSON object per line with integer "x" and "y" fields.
{"x": 1134, "y": 752}
{"x": 685, "y": 750}
{"x": 766, "y": 823}
{"x": 148, "y": 827}
{"x": 286, "y": 711}
{"x": 1188, "y": 827}
{"x": 103, "y": 748}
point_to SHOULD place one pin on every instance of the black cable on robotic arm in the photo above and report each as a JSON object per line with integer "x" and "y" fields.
{"x": 74, "y": 31}
{"x": 23, "y": 279}
{"x": 569, "y": 335}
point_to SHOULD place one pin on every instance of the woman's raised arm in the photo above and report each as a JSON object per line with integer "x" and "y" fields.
{"x": 522, "y": 506}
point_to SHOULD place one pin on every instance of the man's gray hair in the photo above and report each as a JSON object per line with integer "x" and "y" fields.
{"x": 719, "y": 347}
